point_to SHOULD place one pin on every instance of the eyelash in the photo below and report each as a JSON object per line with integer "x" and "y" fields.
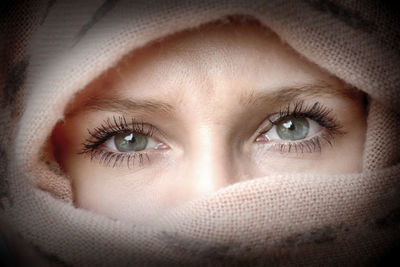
{"x": 110, "y": 128}
{"x": 316, "y": 112}
{"x": 114, "y": 126}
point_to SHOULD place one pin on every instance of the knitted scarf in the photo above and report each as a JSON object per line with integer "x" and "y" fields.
{"x": 50, "y": 50}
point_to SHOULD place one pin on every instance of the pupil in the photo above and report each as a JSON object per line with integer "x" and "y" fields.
{"x": 289, "y": 125}
{"x": 130, "y": 138}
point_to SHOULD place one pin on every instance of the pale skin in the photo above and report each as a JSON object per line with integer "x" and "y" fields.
{"x": 221, "y": 87}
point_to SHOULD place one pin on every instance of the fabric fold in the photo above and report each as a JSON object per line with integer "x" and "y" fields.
{"x": 349, "y": 219}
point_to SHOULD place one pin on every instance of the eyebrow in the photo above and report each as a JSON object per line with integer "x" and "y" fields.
{"x": 287, "y": 94}
{"x": 282, "y": 95}
{"x": 126, "y": 105}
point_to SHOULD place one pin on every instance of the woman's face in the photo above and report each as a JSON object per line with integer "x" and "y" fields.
{"x": 196, "y": 112}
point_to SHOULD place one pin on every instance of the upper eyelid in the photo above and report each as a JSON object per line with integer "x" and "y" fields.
{"x": 112, "y": 126}
{"x": 121, "y": 125}
{"x": 315, "y": 111}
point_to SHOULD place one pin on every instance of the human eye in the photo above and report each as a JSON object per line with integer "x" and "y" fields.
{"x": 300, "y": 128}
{"x": 116, "y": 141}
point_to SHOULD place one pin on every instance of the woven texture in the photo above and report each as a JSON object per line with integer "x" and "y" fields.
{"x": 349, "y": 219}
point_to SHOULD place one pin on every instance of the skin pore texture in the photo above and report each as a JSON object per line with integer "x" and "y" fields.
{"x": 210, "y": 103}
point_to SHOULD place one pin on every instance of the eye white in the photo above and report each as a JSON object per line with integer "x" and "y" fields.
{"x": 151, "y": 143}
{"x": 314, "y": 128}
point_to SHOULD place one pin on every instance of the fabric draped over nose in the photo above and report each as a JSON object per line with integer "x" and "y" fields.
{"x": 350, "y": 219}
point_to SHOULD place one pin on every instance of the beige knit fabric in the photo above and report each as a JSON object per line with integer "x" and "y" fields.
{"x": 350, "y": 219}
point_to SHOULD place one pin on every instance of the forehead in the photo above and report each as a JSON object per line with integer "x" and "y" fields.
{"x": 215, "y": 63}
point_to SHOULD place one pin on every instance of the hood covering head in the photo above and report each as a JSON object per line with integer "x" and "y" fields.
{"x": 350, "y": 219}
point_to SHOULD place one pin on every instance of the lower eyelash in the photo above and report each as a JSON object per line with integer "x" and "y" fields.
{"x": 113, "y": 159}
{"x": 305, "y": 146}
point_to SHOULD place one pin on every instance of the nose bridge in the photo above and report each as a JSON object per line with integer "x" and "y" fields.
{"x": 210, "y": 163}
